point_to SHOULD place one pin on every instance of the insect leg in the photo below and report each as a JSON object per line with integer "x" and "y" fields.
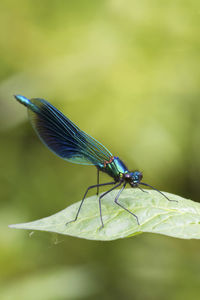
{"x": 116, "y": 201}
{"x": 90, "y": 187}
{"x": 157, "y": 191}
{"x": 114, "y": 187}
{"x": 142, "y": 189}
{"x": 98, "y": 181}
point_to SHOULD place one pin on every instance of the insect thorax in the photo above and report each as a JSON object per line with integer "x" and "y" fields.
{"x": 114, "y": 168}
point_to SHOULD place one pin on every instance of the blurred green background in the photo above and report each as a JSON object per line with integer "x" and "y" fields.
{"x": 128, "y": 73}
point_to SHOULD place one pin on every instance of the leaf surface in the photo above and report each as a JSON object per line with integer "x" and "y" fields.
{"x": 155, "y": 213}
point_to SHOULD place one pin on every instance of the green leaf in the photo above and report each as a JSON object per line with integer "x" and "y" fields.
{"x": 155, "y": 213}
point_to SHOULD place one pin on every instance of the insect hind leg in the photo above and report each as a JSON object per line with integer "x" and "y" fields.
{"x": 89, "y": 188}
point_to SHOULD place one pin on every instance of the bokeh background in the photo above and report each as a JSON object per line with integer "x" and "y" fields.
{"x": 128, "y": 73}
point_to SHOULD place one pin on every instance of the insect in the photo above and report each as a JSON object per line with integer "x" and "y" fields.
{"x": 72, "y": 144}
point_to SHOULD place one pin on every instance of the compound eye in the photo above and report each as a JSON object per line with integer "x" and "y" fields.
{"x": 137, "y": 176}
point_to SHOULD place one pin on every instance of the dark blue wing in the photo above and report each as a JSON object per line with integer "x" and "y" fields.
{"x": 62, "y": 136}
